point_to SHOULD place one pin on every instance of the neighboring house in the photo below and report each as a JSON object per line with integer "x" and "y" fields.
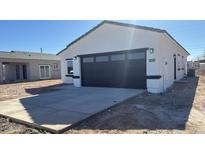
{"x": 122, "y": 55}
{"x": 196, "y": 64}
{"x": 18, "y": 66}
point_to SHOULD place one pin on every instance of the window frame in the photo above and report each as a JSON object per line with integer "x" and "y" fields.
{"x": 55, "y": 66}
{"x": 101, "y": 60}
{"x": 129, "y": 57}
{"x": 91, "y": 57}
{"x": 119, "y": 56}
{"x": 68, "y": 71}
{"x": 49, "y": 71}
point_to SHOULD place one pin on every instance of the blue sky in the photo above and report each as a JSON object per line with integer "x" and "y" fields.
{"x": 53, "y": 36}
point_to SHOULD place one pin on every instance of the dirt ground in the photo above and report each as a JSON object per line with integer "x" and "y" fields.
{"x": 18, "y": 90}
{"x": 9, "y": 127}
{"x": 180, "y": 110}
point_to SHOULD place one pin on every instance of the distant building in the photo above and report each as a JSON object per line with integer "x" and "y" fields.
{"x": 196, "y": 64}
{"x": 18, "y": 66}
{"x": 202, "y": 61}
{"x": 190, "y": 64}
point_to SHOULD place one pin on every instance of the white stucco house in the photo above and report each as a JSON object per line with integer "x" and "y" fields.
{"x": 120, "y": 55}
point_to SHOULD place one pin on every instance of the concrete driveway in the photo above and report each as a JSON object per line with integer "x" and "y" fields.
{"x": 57, "y": 110}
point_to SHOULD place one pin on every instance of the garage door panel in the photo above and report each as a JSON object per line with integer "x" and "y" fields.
{"x": 115, "y": 71}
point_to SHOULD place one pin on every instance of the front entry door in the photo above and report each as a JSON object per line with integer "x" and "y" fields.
{"x": 175, "y": 67}
{"x": 24, "y": 70}
{"x": 17, "y": 72}
{"x": 44, "y": 71}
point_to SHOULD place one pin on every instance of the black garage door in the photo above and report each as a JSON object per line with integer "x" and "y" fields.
{"x": 123, "y": 69}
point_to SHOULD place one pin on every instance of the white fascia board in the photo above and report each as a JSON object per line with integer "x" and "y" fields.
{"x": 175, "y": 44}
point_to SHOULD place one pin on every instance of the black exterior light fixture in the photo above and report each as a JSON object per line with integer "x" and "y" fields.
{"x": 75, "y": 58}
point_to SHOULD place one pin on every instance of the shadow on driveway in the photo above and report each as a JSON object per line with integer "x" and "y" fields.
{"x": 35, "y": 91}
{"x": 59, "y": 107}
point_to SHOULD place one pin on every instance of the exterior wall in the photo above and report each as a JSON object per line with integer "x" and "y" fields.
{"x": 77, "y": 72}
{"x": 167, "y": 49}
{"x": 153, "y": 85}
{"x": 109, "y": 38}
{"x": 32, "y": 68}
{"x": 1, "y": 72}
{"x": 10, "y": 72}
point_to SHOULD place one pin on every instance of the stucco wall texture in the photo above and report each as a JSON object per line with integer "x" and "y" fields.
{"x": 32, "y": 68}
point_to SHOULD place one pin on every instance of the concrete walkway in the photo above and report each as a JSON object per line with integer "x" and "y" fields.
{"x": 58, "y": 110}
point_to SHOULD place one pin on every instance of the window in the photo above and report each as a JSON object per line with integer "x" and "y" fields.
{"x": 179, "y": 62}
{"x": 70, "y": 66}
{"x": 44, "y": 71}
{"x": 183, "y": 63}
{"x": 24, "y": 69}
{"x": 118, "y": 57}
{"x": 132, "y": 56}
{"x": 102, "y": 59}
{"x": 55, "y": 66}
{"x": 88, "y": 59}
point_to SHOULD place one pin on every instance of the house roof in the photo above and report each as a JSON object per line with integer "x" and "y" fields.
{"x": 125, "y": 25}
{"x": 28, "y": 55}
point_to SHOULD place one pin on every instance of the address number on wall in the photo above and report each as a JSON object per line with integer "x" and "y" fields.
{"x": 152, "y": 60}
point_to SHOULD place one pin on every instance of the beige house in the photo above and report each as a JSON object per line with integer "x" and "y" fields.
{"x": 16, "y": 66}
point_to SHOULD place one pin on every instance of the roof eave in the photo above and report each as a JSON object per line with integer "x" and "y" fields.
{"x": 94, "y": 28}
{"x": 114, "y": 23}
{"x": 122, "y": 24}
{"x": 177, "y": 42}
